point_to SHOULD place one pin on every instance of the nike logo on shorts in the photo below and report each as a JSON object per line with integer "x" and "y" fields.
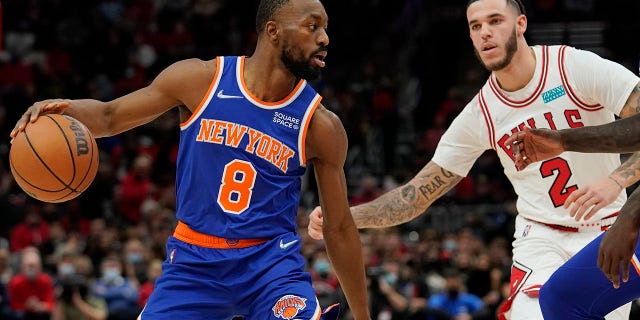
{"x": 225, "y": 96}
{"x": 284, "y": 245}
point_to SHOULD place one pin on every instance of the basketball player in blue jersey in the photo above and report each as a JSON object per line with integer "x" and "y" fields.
{"x": 250, "y": 126}
{"x": 578, "y": 290}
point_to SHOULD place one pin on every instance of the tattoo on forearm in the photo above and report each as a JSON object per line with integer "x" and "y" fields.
{"x": 630, "y": 169}
{"x": 402, "y": 204}
{"x": 636, "y": 91}
{"x": 409, "y": 193}
{"x": 434, "y": 185}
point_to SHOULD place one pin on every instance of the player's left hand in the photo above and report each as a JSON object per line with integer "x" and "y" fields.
{"x": 315, "y": 224}
{"x": 616, "y": 250}
{"x": 588, "y": 200}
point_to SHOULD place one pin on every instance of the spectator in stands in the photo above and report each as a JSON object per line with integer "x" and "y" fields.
{"x": 455, "y": 301}
{"x": 31, "y": 292}
{"x": 75, "y": 301}
{"x": 32, "y": 231}
{"x": 134, "y": 189}
{"x": 121, "y": 296}
{"x": 154, "y": 270}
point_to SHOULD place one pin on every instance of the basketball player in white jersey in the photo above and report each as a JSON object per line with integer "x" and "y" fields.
{"x": 553, "y": 87}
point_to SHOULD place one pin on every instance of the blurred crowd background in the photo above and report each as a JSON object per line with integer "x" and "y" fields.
{"x": 397, "y": 73}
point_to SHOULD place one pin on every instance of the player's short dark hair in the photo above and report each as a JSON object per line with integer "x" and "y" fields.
{"x": 517, "y": 4}
{"x": 266, "y": 10}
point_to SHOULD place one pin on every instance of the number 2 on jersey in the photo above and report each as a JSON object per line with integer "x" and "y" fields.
{"x": 559, "y": 192}
{"x": 236, "y": 188}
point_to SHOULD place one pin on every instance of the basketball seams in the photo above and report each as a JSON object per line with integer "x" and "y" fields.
{"x": 73, "y": 159}
{"x": 26, "y": 135}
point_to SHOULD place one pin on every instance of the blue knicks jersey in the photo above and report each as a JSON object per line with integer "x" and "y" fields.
{"x": 241, "y": 159}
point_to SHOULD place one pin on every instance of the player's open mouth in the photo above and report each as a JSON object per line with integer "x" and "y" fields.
{"x": 488, "y": 46}
{"x": 319, "y": 58}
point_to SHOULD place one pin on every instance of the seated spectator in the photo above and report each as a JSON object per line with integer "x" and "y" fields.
{"x": 31, "y": 292}
{"x": 134, "y": 189}
{"x": 75, "y": 301}
{"x": 121, "y": 296}
{"x": 32, "y": 231}
{"x": 154, "y": 270}
{"x": 455, "y": 301}
{"x": 5, "y": 310}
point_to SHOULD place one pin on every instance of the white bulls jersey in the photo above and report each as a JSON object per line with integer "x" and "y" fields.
{"x": 570, "y": 88}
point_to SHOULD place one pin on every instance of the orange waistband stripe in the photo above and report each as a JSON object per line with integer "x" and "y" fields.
{"x": 186, "y": 234}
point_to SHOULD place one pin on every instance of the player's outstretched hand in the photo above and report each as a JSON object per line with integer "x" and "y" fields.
{"x": 315, "y": 224}
{"x": 532, "y": 145}
{"x": 616, "y": 250}
{"x": 589, "y": 199}
{"x": 37, "y": 109}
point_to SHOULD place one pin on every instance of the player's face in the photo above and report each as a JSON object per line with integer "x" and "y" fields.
{"x": 305, "y": 39}
{"x": 492, "y": 27}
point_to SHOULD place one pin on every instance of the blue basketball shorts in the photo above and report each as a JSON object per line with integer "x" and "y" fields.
{"x": 263, "y": 281}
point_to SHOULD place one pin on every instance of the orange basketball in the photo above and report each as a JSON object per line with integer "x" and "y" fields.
{"x": 54, "y": 159}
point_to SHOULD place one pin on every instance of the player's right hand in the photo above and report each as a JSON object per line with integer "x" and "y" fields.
{"x": 38, "y": 109}
{"x": 616, "y": 250}
{"x": 315, "y": 224}
{"x": 533, "y": 145}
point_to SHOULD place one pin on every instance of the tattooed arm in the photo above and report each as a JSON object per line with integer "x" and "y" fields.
{"x": 629, "y": 172}
{"x": 618, "y": 136}
{"x": 408, "y": 201}
{"x": 589, "y": 199}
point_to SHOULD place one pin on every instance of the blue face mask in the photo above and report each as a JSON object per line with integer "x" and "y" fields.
{"x": 322, "y": 266}
{"x": 134, "y": 257}
{"x": 390, "y": 278}
{"x": 450, "y": 245}
{"x": 111, "y": 274}
{"x": 66, "y": 269}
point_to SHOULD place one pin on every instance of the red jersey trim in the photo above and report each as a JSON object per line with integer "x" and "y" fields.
{"x": 565, "y": 82}
{"x": 536, "y": 93}
{"x": 487, "y": 119}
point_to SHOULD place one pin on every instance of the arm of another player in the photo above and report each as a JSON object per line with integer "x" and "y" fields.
{"x": 399, "y": 205}
{"x": 619, "y": 242}
{"x": 327, "y": 141}
{"x": 172, "y": 87}
{"x": 621, "y": 136}
{"x": 587, "y": 200}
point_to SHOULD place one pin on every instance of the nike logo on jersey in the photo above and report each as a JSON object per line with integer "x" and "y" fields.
{"x": 284, "y": 245}
{"x": 225, "y": 96}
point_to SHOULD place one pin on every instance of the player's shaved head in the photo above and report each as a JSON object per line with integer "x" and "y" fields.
{"x": 266, "y": 10}
{"x": 515, "y": 4}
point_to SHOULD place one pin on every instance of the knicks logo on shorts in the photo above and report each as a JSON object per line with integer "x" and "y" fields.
{"x": 288, "y": 306}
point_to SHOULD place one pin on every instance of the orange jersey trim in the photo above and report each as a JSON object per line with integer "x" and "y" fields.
{"x": 190, "y": 236}
{"x": 212, "y": 86}
{"x": 269, "y": 104}
{"x": 636, "y": 264}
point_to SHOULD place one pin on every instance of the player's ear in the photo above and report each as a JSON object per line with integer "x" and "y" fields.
{"x": 521, "y": 24}
{"x": 273, "y": 31}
